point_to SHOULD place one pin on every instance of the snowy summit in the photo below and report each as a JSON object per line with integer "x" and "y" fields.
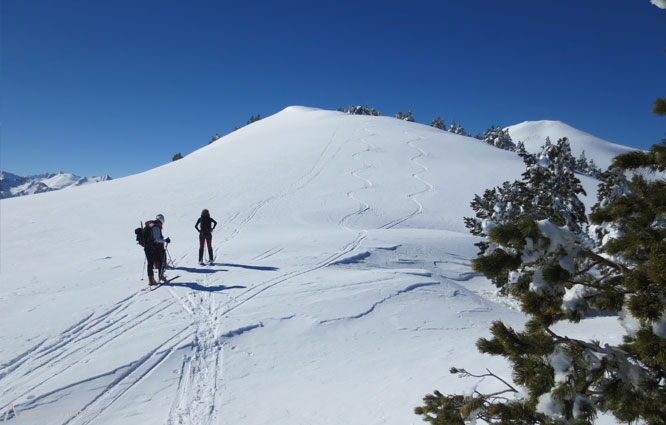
{"x": 533, "y": 134}
{"x": 341, "y": 290}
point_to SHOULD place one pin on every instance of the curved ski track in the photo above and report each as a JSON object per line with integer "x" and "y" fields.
{"x": 412, "y": 196}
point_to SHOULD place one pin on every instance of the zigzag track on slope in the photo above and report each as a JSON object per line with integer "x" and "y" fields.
{"x": 412, "y": 196}
{"x": 364, "y": 206}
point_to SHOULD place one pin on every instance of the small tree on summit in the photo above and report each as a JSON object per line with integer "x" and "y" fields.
{"x": 457, "y": 129}
{"x": 405, "y": 117}
{"x": 254, "y": 119}
{"x": 438, "y": 123}
{"x": 177, "y": 156}
{"x": 214, "y": 138}
{"x": 361, "y": 110}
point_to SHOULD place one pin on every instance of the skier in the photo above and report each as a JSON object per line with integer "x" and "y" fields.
{"x": 155, "y": 253}
{"x": 205, "y": 234}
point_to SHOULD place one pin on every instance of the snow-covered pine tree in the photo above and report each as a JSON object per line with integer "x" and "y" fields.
{"x": 438, "y": 123}
{"x": 520, "y": 148}
{"x": 581, "y": 164}
{"x": 405, "y": 117}
{"x": 361, "y": 110}
{"x": 254, "y": 119}
{"x": 457, "y": 129}
{"x": 592, "y": 169}
{"x": 214, "y": 138}
{"x": 559, "y": 268}
{"x": 499, "y": 137}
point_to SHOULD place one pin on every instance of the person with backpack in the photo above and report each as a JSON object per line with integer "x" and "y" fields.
{"x": 154, "y": 248}
{"x": 205, "y": 234}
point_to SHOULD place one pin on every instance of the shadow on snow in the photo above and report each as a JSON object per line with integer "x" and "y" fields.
{"x": 199, "y": 270}
{"x": 197, "y": 287}
{"x": 243, "y": 266}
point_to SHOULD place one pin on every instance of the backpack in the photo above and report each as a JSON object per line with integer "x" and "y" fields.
{"x": 144, "y": 234}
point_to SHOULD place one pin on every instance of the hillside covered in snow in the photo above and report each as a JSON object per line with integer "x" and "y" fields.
{"x": 13, "y": 185}
{"x": 341, "y": 291}
{"x": 533, "y": 134}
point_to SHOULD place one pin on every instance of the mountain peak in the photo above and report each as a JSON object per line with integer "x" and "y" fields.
{"x": 533, "y": 134}
{"x": 12, "y": 185}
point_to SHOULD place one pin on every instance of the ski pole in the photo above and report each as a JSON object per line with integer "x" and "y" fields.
{"x": 143, "y": 269}
{"x": 166, "y": 250}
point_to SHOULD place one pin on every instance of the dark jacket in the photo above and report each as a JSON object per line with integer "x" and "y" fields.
{"x": 207, "y": 225}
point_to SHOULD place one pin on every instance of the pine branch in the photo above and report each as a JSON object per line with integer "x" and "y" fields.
{"x": 464, "y": 373}
{"x": 593, "y": 256}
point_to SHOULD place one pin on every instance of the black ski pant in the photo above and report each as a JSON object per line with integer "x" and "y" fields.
{"x": 155, "y": 256}
{"x": 208, "y": 238}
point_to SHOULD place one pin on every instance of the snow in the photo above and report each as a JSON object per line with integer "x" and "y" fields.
{"x": 659, "y": 3}
{"x": 534, "y": 133}
{"x": 12, "y": 185}
{"x": 342, "y": 290}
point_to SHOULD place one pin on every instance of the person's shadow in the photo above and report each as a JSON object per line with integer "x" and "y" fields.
{"x": 197, "y": 287}
{"x": 243, "y": 266}
{"x": 200, "y": 270}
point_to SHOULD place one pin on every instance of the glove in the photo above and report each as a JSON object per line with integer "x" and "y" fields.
{"x": 168, "y": 240}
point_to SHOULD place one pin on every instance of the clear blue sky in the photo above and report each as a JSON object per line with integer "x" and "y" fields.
{"x": 118, "y": 87}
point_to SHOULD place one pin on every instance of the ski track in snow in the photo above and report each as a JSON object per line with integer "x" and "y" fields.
{"x": 320, "y": 163}
{"x": 412, "y": 196}
{"x": 363, "y": 206}
{"x": 202, "y": 366}
{"x": 382, "y": 301}
{"x": 134, "y": 374}
{"x": 53, "y": 357}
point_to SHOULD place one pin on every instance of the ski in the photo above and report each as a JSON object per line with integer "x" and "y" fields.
{"x": 153, "y": 287}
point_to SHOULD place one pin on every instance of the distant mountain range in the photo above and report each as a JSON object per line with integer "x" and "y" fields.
{"x": 12, "y": 185}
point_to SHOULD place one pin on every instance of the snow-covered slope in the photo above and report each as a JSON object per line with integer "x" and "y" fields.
{"x": 341, "y": 291}
{"x": 12, "y": 185}
{"x": 534, "y": 133}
